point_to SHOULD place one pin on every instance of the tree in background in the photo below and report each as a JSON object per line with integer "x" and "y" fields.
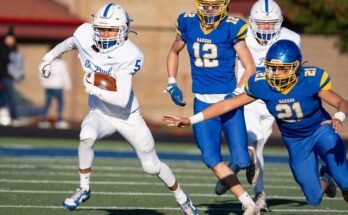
{"x": 326, "y": 17}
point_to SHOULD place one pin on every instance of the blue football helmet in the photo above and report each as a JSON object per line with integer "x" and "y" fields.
{"x": 282, "y": 64}
{"x": 211, "y": 12}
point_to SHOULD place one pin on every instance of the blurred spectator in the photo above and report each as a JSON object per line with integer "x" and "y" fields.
{"x": 11, "y": 70}
{"x": 54, "y": 86}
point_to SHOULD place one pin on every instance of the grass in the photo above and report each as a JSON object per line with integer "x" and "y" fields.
{"x": 38, "y": 185}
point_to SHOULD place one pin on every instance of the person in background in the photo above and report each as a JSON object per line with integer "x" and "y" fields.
{"x": 264, "y": 30}
{"x": 11, "y": 70}
{"x": 54, "y": 89}
{"x": 213, "y": 39}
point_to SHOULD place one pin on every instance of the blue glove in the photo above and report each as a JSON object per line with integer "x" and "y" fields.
{"x": 176, "y": 94}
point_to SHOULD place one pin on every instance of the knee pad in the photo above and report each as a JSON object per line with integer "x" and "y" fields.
{"x": 86, "y": 153}
{"x": 150, "y": 167}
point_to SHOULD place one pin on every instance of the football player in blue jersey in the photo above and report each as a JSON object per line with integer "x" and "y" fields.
{"x": 213, "y": 39}
{"x": 293, "y": 94}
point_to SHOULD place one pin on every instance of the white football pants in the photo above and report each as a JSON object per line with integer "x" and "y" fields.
{"x": 259, "y": 123}
{"x": 97, "y": 125}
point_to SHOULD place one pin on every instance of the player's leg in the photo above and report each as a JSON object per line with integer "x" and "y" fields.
{"x": 332, "y": 151}
{"x": 304, "y": 165}
{"x": 44, "y": 123}
{"x": 94, "y": 126}
{"x": 266, "y": 127}
{"x": 136, "y": 132}
{"x": 208, "y": 138}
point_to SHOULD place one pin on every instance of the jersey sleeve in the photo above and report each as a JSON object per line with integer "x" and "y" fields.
{"x": 133, "y": 61}
{"x": 318, "y": 79}
{"x": 250, "y": 87}
{"x": 325, "y": 81}
{"x": 181, "y": 24}
{"x": 238, "y": 29}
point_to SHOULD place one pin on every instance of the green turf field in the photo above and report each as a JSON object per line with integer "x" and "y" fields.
{"x": 38, "y": 185}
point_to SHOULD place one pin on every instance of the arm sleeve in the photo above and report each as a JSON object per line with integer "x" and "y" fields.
{"x": 65, "y": 46}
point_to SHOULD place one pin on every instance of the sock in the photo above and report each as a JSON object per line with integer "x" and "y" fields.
{"x": 84, "y": 180}
{"x": 179, "y": 195}
{"x": 245, "y": 199}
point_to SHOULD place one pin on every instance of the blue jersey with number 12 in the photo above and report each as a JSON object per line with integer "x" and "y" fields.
{"x": 211, "y": 53}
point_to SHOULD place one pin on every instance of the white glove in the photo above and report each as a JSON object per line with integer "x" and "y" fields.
{"x": 88, "y": 82}
{"x": 45, "y": 69}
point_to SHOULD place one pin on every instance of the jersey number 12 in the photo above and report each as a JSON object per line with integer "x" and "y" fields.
{"x": 209, "y": 58}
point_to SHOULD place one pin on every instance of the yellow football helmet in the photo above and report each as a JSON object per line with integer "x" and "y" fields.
{"x": 211, "y": 12}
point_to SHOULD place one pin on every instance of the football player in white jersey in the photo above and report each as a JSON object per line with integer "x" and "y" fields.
{"x": 264, "y": 30}
{"x": 104, "y": 47}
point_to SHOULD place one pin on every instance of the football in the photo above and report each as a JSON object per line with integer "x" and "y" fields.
{"x": 104, "y": 81}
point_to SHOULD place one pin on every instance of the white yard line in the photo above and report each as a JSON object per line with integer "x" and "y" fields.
{"x": 150, "y": 194}
{"x": 133, "y": 183}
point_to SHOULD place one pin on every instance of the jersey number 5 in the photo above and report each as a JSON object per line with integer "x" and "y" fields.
{"x": 209, "y": 58}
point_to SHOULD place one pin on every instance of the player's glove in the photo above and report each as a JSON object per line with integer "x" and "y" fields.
{"x": 88, "y": 81}
{"x": 176, "y": 94}
{"x": 45, "y": 69}
{"x": 235, "y": 92}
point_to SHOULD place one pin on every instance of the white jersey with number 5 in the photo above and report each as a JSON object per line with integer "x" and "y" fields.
{"x": 121, "y": 63}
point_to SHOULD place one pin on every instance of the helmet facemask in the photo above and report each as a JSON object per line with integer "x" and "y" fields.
{"x": 265, "y": 21}
{"x": 211, "y": 12}
{"x": 281, "y": 76}
{"x": 109, "y": 43}
{"x": 267, "y": 36}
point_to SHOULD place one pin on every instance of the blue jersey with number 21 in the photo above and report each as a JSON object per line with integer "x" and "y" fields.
{"x": 211, "y": 54}
{"x": 298, "y": 110}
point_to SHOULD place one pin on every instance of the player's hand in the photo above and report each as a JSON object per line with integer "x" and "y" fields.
{"x": 88, "y": 81}
{"x": 176, "y": 121}
{"x": 176, "y": 94}
{"x": 45, "y": 69}
{"x": 335, "y": 123}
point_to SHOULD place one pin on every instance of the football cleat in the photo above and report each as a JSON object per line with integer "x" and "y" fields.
{"x": 220, "y": 188}
{"x": 188, "y": 207}
{"x": 260, "y": 201}
{"x": 76, "y": 198}
{"x": 331, "y": 189}
{"x": 253, "y": 170}
{"x": 251, "y": 209}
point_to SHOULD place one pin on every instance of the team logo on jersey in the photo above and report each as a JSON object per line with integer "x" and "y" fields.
{"x": 95, "y": 68}
{"x": 261, "y": 60}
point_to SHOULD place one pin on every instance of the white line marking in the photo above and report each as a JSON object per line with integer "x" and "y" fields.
{"x": 150, "y": 194}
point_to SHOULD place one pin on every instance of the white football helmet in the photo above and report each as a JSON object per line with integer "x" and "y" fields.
{"x": 110, "y": 16}
{"x": 266, "y": 11}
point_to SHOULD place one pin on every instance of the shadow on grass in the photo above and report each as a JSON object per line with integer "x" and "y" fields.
{"x": 130, "y": 212}
{"x": 230, "y": 207}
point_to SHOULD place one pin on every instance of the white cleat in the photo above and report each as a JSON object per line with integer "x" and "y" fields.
{"x": 251, "y": 209}
{"x": 260, "y": 201}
